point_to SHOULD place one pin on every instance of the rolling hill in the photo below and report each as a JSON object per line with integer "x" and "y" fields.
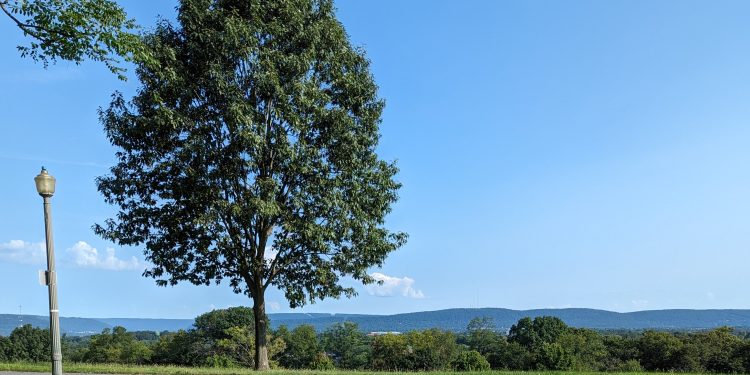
{"x": 451, "y": 319}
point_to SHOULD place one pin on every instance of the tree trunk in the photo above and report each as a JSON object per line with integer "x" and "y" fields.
{"x": 261, "y": 347}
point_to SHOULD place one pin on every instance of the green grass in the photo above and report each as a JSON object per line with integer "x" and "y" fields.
{"x": 176, "y": 370}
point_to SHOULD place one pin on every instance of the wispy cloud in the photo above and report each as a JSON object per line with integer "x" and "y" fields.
{"x": 392, "y": 286}
{"x": 85, "y": 255}
{"x": 18, "y": 251}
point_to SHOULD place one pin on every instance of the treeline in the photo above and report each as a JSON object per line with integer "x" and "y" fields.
{"x": 225, "y": 338}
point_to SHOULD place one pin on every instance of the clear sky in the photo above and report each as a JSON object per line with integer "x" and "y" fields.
{"x": 552, "y": 154}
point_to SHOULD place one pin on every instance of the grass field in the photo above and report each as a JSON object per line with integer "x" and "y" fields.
{"x": 175, "y": 370}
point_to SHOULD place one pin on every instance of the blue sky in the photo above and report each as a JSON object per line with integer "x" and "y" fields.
{"x": 553, "y": 154}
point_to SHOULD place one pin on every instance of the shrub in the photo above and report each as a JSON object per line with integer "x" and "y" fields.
{"x": 631, "y": 365}
{"x": 470, "y": 360}
{"x": 322, "y": 362}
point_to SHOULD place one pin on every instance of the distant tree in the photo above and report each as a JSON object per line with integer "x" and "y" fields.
{"x": 553, "y": 356}
{"x": 688, "y": 357}
{"x": 145, "y": 335}
{"x": 116, "y": 346}
{"x": 743, "y": 354}
{"x": 248, "y": 155}
{"x": 74, "y": 347}
{"x": 659, "y": 351}
{"x": 390, "y": 352}
{"x": 30, "y": 344}
{"x": 302, "y": 348}
{"x": 179, "y": 348}
{"x": 622, "y": 353}
{"x": 431, "y": 349}
{"x": 5, "y": 349}
{"x": 483, "y": 337}
{"x": 214, "y": 324}
{"x": 718, "y": 351}
{"x": 74, "y": 30}
{"x": 511, "y": 356}
{"x": 539, "y": 338}
{"x": 586, "y": 348}
{"x": 532, "y": 333}
{"x": 481, "y": 324}
{"x": 347, "y": 346}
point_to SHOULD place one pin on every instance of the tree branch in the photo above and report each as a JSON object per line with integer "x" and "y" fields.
{"x": 25, "y": 27}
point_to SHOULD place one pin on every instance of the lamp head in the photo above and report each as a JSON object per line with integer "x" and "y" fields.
{"x": 45, "y": 184}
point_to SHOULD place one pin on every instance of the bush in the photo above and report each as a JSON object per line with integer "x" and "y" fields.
{"x": 219, "y": 361}
{"x": 322, "y": 362}
{"x": 470, "y": 360}
{"x": 631, "y": 365}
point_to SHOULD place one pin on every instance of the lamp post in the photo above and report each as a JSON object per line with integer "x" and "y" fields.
{"x": 45, "y": 186}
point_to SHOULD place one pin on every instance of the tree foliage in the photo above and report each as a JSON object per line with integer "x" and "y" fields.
{"x": 5, "y": 349}
{"x": 348, "y": 347}
{"x": 470, "y": 360}
{"x": 116, "y": 346}
{"x": 214, "y": 324}
{"x": 29, "y": 344}
{"x": 302, "y": 347}
{"x": 659, "y": 351}
{"x": 482, "y": 336}
{"x": 533, "y": 333}
{"x": 248, "y": 154}
{"x": 178, "y": 348}
{"x": 390, "y": 352}
{"x": 75, "y": 30}
{"x": 431, "y": 349}
{"x": 721, "y": 350}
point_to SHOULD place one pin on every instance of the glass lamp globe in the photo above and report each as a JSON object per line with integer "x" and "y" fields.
{"x": 45, "y": 183}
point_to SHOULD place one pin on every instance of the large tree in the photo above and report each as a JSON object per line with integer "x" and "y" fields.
{"x": 75, "y": 30}
{"x": 248, "y": 155}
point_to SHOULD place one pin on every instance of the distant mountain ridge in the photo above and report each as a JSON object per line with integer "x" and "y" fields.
{"x": 450, "y": 319}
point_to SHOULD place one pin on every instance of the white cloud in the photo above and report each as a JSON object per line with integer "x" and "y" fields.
{"x": 85, "y": 255}
{"x": 18, "y": 251}
{"x": 392, "y": 286}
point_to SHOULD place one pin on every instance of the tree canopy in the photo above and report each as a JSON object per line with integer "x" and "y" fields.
{"x": 75, "y": 30}
{"x": 249, "y": 154}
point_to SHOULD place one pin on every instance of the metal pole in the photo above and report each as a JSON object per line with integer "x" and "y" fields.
{"x": 54, "y": 313}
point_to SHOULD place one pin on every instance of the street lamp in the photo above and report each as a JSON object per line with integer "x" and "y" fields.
{"x": 45, "y": 186}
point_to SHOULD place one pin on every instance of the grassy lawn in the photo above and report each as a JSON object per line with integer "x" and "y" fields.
{"x": 175, "y": 370}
